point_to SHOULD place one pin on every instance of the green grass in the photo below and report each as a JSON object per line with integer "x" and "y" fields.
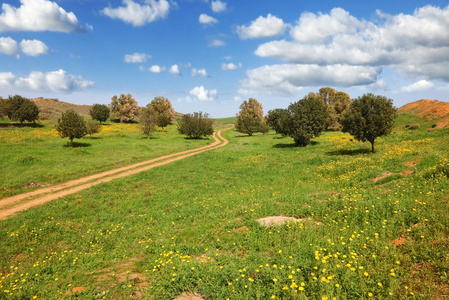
{"x": 190, "y": 225}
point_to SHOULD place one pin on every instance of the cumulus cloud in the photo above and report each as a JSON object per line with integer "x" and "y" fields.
{"x": 230, "y": 66}
{"x": 38, "y": 15}
{"x": 206, "y": 19}
{"x": 418, "y": 86}
{"x": 34, "y": 47}
{"x": 156, "y": 69}
{"x": 136, "y": 58}
{"x": 139, "y": 14}
{"x": 287, "y": 79}
{"x": 216, "y": 43}
{"x": 9, "y": 46}
{"x": 202, "y": 94}
{"x": 175, "y": 70}
{"x": 200, "y": 72}
{"x": 56, "y": 81}
{"x": 218, "y": 6}
{"x": 262, "y": 27}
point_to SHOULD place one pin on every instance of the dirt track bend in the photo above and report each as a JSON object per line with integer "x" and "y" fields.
{"x": 24, "y": 201}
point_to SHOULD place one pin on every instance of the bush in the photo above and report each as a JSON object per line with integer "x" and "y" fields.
{"x": 413, "y": 126}
{"x": 100, "y": 112}
{"x": 148, "y": 120}
{"x": 71, "y": 125}
{"x": 93, "y": 127}
{"x": 195, "y": 125}
{"x": 20, "y": 109}
{"x": 433, "y": 125}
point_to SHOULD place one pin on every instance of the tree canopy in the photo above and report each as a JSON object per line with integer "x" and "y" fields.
{"x": 164, "y": 111}
{"x": 124, "y": 108}
{"x": 148, "y": 120}
{"x": 21, "y": 109}
{"x": 100, "y": 112}
{"x": 196, "y": 125}
{"x": 369, "y": 117}
{"x": 250, "y": 118}
{"x": 71, "y": 125}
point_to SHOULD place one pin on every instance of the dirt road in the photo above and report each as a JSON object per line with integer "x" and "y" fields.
{"x": 11, "y": 205}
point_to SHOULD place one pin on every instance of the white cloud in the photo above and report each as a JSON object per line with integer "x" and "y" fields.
{"x": 136, "y": 58}
{"x": 206, "y": 19}
{"x": 217, "y": 43}
{"x": 202, "y": 94}
{"x": 9, "y": 46}
{"x": 175, "y": 70}
{"x": 290, "y": 78}
{"x": 56, "y": 81}
{"x": 418, "y": 86}
{"x": 218, "y": 6}
{"x": 156, "y": 69}
{"x": 200, "y": 72}
{"x": 34, "y": 47}
{"x": 270, "y": 26}
{"x": 230, "y": 66}
{"x": 38, "y": 15}
{"x": 137, "y": 14}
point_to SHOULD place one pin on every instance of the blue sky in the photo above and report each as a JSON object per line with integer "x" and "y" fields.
{"x": 210, "y": 55}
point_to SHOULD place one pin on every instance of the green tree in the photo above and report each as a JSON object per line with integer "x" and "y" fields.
{"x": 93, "y": 126}
{"x": 278, "y": 120}
{"x": 196, "y": 125}
{"x": 21, "y": 109}
{"x": 164, "y": 110}
{"x": 4, "y": 107}
{"x": 148, "y": 120}
{"x": 307, "y": 119}
{"x": 124, "y": 108}
{"x": 369, "y": 117}
{"x": 71, "y": 125}
{"x": 100, "y": 112}
{"x": 250, "y": 118}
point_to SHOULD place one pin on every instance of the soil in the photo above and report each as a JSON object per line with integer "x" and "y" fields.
{"x": 429, "y": 109}
{"x": 21, "y": 202}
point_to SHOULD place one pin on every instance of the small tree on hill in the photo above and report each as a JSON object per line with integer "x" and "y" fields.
{"x": 21, "y": 109}
{"x": 71, "y": 125}
{"x": 148, "y": 121}
{"x": 250, "y": 118}
{"x": 196, "y": 125}
{"x": 369, "y": 117}
{"x": 124, "y": 108}
{"x": 164, "y": 110}
{"x": 307, "y": 120}
{"x": 93, "y": 126}
{"x": 100, "y": 112}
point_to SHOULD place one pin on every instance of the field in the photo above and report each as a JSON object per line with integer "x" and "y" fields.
{"x": 367, "y": 226}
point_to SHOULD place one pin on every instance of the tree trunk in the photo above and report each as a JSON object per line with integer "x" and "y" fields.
{"x": 372, "y": 147}
{"x": 71, "y": 143}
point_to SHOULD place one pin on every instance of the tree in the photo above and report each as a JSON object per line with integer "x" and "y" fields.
{"x": 195, "y": 125}
{"x": 93, "y": 126}
{"x": 71, "y": 125}
{"x": 307, "y": 119}
{"x": 164, "y": 110}
{"x": 250, "y": 118}
{"x": 100, "y": 112}
{"x": 21, "y": 109}
{"x": 369, "y": 117}
{"x": 4, "y": 107}
{"x": 148, "y": 121}
{"x": 278, "y": 120}
{"x": 124, "y": 108}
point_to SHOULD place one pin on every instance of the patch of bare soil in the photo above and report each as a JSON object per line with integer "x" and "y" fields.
{"x": 407, "y": 172}
{"x": 189, "y": 296}
{"x": 276, "y": 221}
{"x": 37, "y": 197}
{"x": 382, "y": 176}
{"x": 411, "y": 163}
{"x": 242, "y": 229}
{"x": 399, "y": 241}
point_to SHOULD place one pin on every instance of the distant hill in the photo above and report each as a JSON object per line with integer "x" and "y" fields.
{"x": 435, "y": 110}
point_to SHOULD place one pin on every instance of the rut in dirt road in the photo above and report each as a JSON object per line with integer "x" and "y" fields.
{"x": 25, "y": 201}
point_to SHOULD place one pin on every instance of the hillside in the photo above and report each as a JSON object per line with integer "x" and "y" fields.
{"x": 53, "y": 108}
{"x": 429, "y": 110}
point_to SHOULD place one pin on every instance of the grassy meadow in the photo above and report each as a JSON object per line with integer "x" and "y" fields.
{"x": 369, "y": 226}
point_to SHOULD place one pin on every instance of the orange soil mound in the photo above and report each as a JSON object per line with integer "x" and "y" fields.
{"x": 429, "y": 109}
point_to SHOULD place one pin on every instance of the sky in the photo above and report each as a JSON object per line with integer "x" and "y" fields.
{"x": 211, "y": 55}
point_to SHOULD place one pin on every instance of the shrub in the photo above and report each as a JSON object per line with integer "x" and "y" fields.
{"x": 433, "y": 125}
{"x": 93, "y": 127}
{"x": 99, "y": 112}
{"x": 413, "y": 126}
{"x": 71, "y": 125}
{"x": 21, "y": 109}
{"x": 195, "y": 125}
{"x": 148, "y": 120}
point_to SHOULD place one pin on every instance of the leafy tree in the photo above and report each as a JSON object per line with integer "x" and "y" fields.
{"x": 250, "y": 118}
{"x": 164, "y": 110}
{"x": 369, "y": 117}
{"x": 307, "y": 119}
{"x": 21, "y": 109}
{"x": 100, "y": 112}
{"x": 124, "y": 108}
{"x": 148, "y": 121}
{"x": 4, "y": 107}
{"x": 71, "y": 125}
{"x": 278, "y": 120}
{"x": 195, "y": 125}
{"x": 93, "y": 126}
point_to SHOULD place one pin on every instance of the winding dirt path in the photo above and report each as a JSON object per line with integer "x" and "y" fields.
{"x": 14, "y": 204}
